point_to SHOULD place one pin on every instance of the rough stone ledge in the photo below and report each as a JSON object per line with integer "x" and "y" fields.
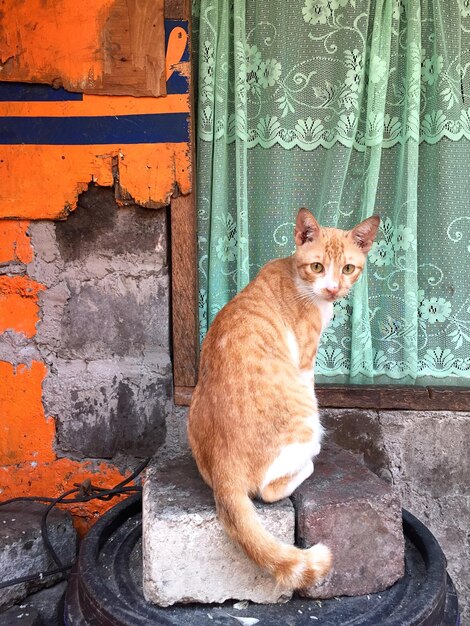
{"x": 187, "y": 556}
{"x": 22, "y": 550}
{"x": 358, "y": 516}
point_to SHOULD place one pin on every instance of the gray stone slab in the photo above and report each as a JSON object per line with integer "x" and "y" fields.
{"x": 22, "y": 551}
{"x": 187, "y": 556}
{"x": 358, "y": 516}
{"x": 48, "y": 603}
{"x": 21, "y": 616}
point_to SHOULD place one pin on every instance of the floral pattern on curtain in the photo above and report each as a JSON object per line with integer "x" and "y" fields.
{"x": 348, "y": 107}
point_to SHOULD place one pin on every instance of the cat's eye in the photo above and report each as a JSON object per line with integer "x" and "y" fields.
{"x": 349, "y": 268}
{"x": 317, "y": 268}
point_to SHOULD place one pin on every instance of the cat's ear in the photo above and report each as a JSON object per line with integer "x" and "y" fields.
{"x": 364, "y": 233}
{"x": 306, "y": 227}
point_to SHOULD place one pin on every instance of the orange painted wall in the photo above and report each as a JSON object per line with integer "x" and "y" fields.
{"x": 43, "y": 182}
{"x": 94, "y": 46}
{"x": 29, "y": 465}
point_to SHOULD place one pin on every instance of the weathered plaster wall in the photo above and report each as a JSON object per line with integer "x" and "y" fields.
{"x": 426, "y": 456}
{"x": 85, "y": 369}
{"x": 85, "y": 372}
{"x": 29, "y": 464}
{"x": 104, "y": 333}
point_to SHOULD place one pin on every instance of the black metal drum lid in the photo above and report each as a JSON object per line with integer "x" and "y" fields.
{"x": 105, "y": 588}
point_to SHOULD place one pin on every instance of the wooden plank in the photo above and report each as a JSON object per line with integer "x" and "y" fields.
{"x": 372, "y": 397}
{"x": 134, "y": 49}
{"x": 394, "y": 397}
{"x": 177, "y": 9}
{"x": 184, "y": 270}
{"x": 183, "y": 395}
{"x": 184, "y": 290}
{"x": 113, "y": 47}
{"x": 458, "y": 398}
{"x": 387, "y": 397}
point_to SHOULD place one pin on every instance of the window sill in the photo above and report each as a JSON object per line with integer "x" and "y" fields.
{"x": 384, "y": 397}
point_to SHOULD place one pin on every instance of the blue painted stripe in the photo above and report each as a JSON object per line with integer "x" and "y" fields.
{"x": 24, "y": 92}
{"x": 73, "y": 131}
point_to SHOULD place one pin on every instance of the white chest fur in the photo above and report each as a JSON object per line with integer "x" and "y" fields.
{"x": 294, "y": 458}
{"x": 293, "y": 348}
{"x": 326, "y": 312}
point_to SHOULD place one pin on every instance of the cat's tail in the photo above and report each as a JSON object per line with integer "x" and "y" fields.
{"x": 293, "y": 568}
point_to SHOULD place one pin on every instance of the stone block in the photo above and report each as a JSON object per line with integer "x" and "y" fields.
{"x": 187, "y": 556}
{"x": 358, "y": 516}
{"x": 22, "y": 550}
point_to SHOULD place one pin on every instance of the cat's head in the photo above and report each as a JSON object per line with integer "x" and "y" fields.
{"x": 329, "y": 260}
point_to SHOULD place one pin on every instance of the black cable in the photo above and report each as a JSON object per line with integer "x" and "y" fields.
{"x": 87, "y": 492}
{"x": 45, "y": 534}
{"x": 100, "y": 495}
{"x": 31, "y": 577}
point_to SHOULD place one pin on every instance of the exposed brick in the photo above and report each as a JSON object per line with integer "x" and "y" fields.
{"x": 187, "y": 556}
{"x": 358, "y": 516}
{"x": 109, "y": 407}
{"x": 104, "y": 329}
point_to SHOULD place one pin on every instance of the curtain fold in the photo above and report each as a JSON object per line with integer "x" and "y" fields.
{"x": 348, "y": 107}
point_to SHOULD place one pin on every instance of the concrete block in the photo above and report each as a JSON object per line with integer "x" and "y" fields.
{"x": 22, "y": 551}
{"x": 99, "y": 223}
{"x": 358, "y": 516}
{"x": 108, "y": 407}
{"x": 187, "y": 556}
{"x": 117, "y": 315}
{"x": 104, "y": 330}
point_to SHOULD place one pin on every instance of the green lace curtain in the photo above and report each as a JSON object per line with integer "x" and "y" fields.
{"x": 348, "y": 107}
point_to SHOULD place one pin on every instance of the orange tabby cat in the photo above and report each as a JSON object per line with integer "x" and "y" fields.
{"x": 253, "y": 423}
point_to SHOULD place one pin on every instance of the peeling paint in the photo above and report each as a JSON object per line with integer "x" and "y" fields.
{"x": 95, "y": 46}
{"x": 52, "y": 176}
{"x": 19, "y": 308}
{"x": 28, "y": 463}
{"x": 140, "y": 178}
{"x": 139, "y": 144}
{"x": 14, "y": 242}
{"x": 33, "y": 50}
{"x": 24, "y": 427}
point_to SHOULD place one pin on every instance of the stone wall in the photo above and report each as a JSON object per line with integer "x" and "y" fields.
{"x": 85, "y": 366}
{"x": 104, "y": 333}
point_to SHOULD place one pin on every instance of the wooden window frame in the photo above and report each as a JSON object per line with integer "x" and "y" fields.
{"x": 185, "y": 325}
{"x": 186, "y": 339}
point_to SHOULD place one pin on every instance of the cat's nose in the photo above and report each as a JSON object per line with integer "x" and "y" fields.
{"x": 332, "y": 291}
